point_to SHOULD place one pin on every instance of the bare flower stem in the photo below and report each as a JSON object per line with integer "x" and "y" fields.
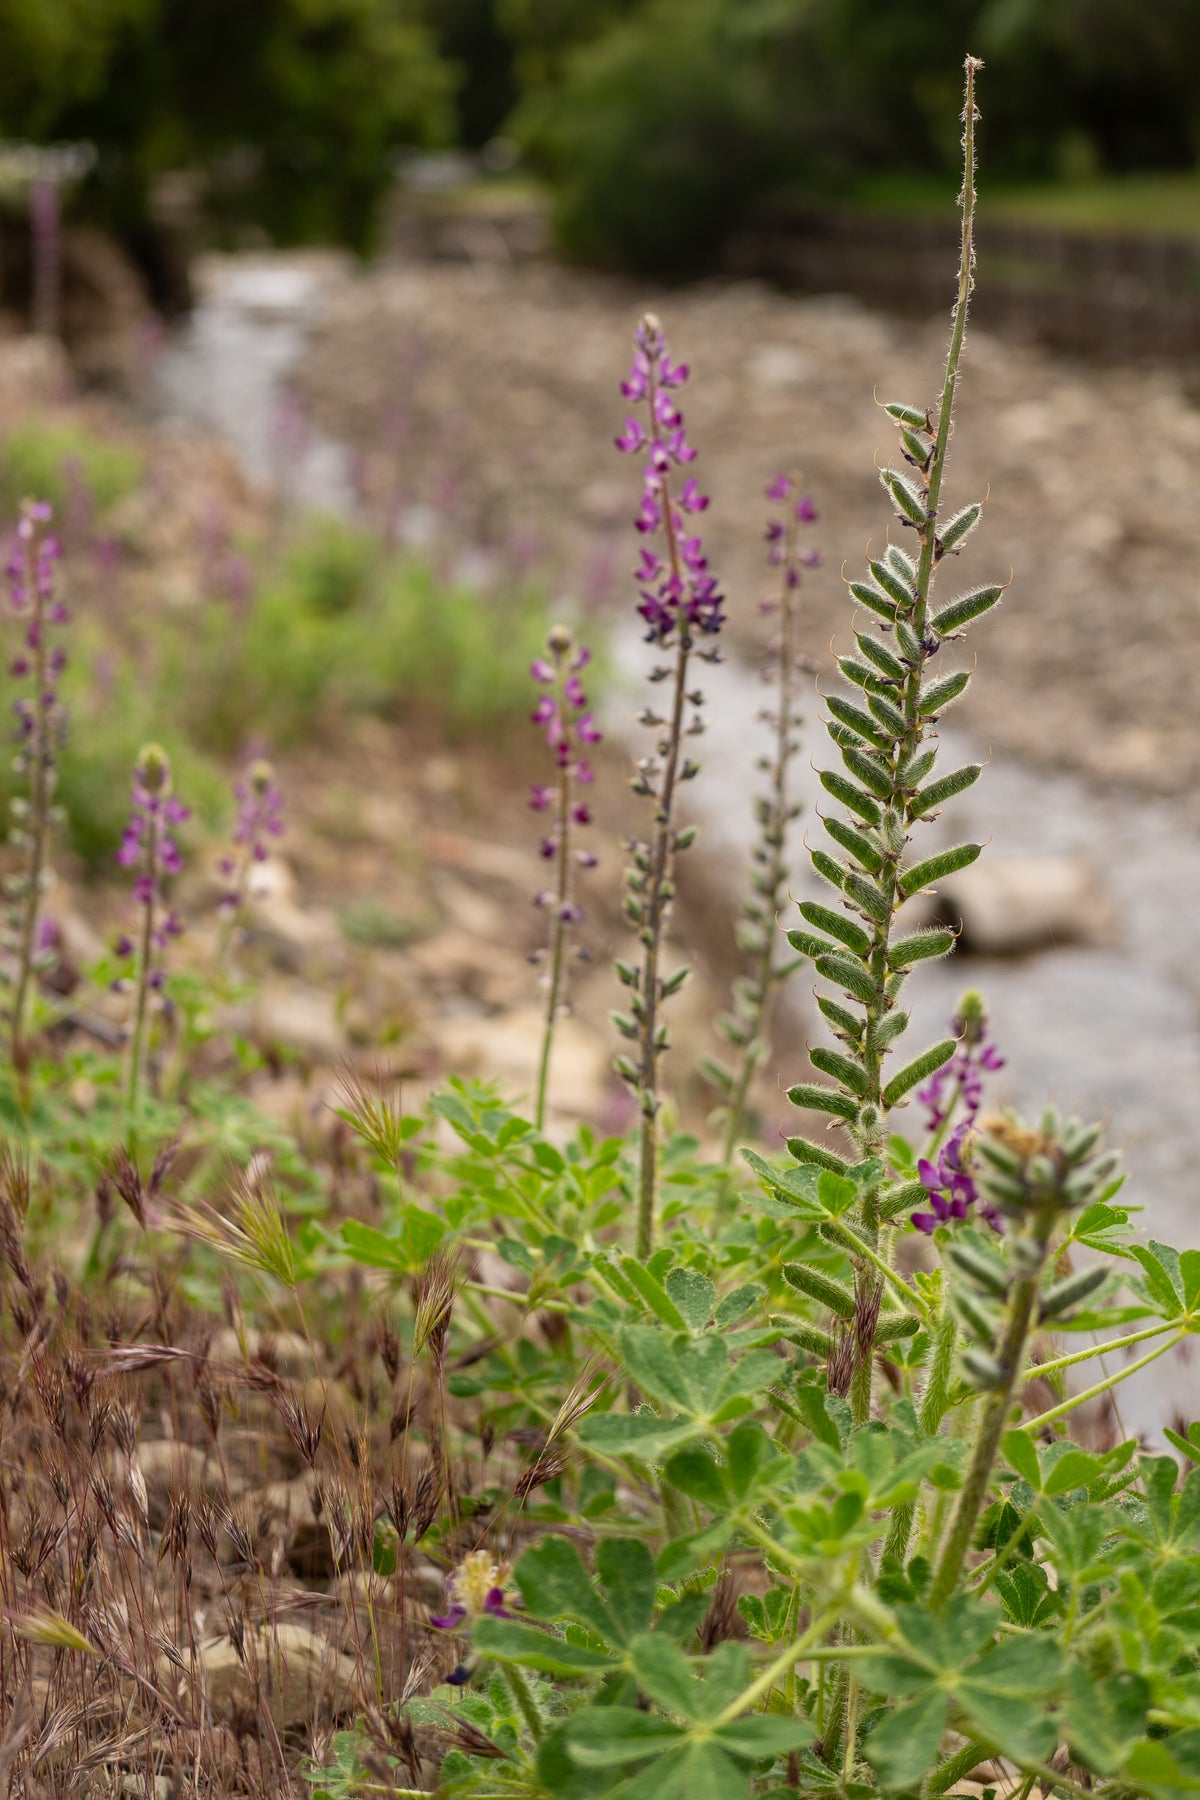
{"x": 145, "y": 952}
{"x": 558, "y": 938}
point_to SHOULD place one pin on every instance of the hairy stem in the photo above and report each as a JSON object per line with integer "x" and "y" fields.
{"x": 41, "y": 761}
{"x": 1011, "y": 1356}
{"x": 559, "y": 937}
{"x": 145, "y": 951}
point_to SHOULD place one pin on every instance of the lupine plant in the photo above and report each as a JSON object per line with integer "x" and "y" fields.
{"x": 563, "y": 714}
{"x": 448, "y": 1474}
{"x": 40, "y": 725}
{"x": 150, "y": 850}
{"x": 680, "y": 606}
{"x": 746, "y": 1028}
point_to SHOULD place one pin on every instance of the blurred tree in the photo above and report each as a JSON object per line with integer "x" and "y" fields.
{"x": 469, "y": 35}
{"x": 293, "y": 110}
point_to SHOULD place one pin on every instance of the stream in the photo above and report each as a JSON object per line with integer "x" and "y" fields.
{"x": 1109, "y": 1028}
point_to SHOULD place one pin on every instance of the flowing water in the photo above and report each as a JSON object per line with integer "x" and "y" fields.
{"x": 1110, "y": 1029}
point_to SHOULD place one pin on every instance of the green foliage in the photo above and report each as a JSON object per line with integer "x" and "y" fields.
{"x": 58, "y": 460}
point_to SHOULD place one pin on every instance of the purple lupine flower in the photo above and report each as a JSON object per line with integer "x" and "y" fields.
{"x": 676, "y": 590}
{"x": 475, "y": 1588}
{"x": 260, "y": 817}
{"x": 950, "y": 1185}
{"x": 960, "y": 1081}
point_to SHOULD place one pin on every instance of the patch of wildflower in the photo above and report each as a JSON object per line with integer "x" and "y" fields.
{"x": 678, "y": 600}
{"x": 959, "y": 1083}
{"x": 562, "y": 712}
{"x": 149, "y": 848}
{"x": 477, "y": 1586}
{"x": 40, "y": 728}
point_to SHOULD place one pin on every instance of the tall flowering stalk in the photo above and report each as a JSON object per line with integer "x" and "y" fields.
{"x": 40, "y": 724}
{"x": 886, "y": 735}
{"x": 680, "y": 604}
{"x": 562, "y": 712}
{"x": 259, "y": 819}
{"x": 149, "y": 848}
{"x": 746, "y": 1027}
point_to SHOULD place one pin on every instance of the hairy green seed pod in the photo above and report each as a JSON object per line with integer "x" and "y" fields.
{"x": 808, "y": 944}
{"x": 1078, "y": 1140}
{"x": 903, "y": 564}
{"x": 859, "y": 674}
{"x": 1027, "y": 1254}
{"x": 918, "y": 1070}
{"x": 844, "y": 1023}
{"x": 938, "y": 695}
{"x": 889, "y": 715}
{"x": 686, "y": 838}
{"x": 978, "y": 1267}
{"x": 627, "y": 975}
{"x": 837, "y": 925}
{"x": 840, "y": 1068}
{"x": 849, "y": 975}
{"x": 966, "y": 608}
{"x": 893, "y": 1326}
{"x": 892, "y": 835}
{"x": 982, "y": 1370}
{"x": 892, "y": 584}
{"x": 982, "y": 1324}
{"x": 816, "y": 1156}
{"x": 873, "y": 776}
{"x": 710, "y": 1069}
{"x": 937, "y": 868}
{"x": 855, "y": 844}
{"x": 850, "y": 796}
{"x": 1040, "y": 1172}
{"x": 674, "y": 982}
{"x": 956, "y": 531}
{"x": 857, "y": 720}
{"x": 832, "y": 871}
{"x": 866, "y": 898}
{"x": 1072, "y": 1290}
{"x": 628, "y": 1072}
{"x": 908, "y": 643}
{"x": 624, "y": 1024}
{"x": 920, "y": 946}
{"x": 814, "y": 1098}
{"x": 1004, "y": 1191}
{"x": 907, "y": 415}
{"x": 919, "y": 448}
{"x": 1001, "y": 1156}
{"x": 885, "y": 1031}
{"x": 904, "y": 495}
{"x": 915, "y": 768}
{"x": 805, "y": 1337}
{"x": 868, "y": 595}
{"x": 938, "y": 792}
{"x": 901, "y": 1199}
{"x": 820, "y": 1287}
{"x": 879, "y": 654}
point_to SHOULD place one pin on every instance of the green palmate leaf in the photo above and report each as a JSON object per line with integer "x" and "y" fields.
{"x": 665, "y": 1675}
{"x": 1106, "y": 1717}
{"x": 604, "y": 1738}
{"x": 1020, "y": 1453}
{"x": 967, "y": 607}
{"x": 626, "y": 1569}
{"x": 815, "y": 1098}
{"x": 555, "y": 1586}
{"x": 634, "y": 1434}
{"x": 652, "y": 1292}
{"x": 509, "y": 1640}
{"x": 761, "y": 1735}
{"x": 696, "y": 1473}
{"x": 836, "y": 924}
{"x": 694, "y": 1295}
{"x": 920, "y": 946}
{"x": 1006, "y": 1694}
{"x": 937, "y": 695}
{"x": 855, "y": 844}
{"x": 853, "y": 976}
{"x": 904, "y": 1745}
{"x": 1163, "y": 1280}
{"x": 829, "y": 1062}
{"x": 938, "y": 792}
{"x": 868, "y": 595}
{"x": 850, "y": 796}
{"x": 919, "y": 1070}
{"x": 937, "y": 868}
